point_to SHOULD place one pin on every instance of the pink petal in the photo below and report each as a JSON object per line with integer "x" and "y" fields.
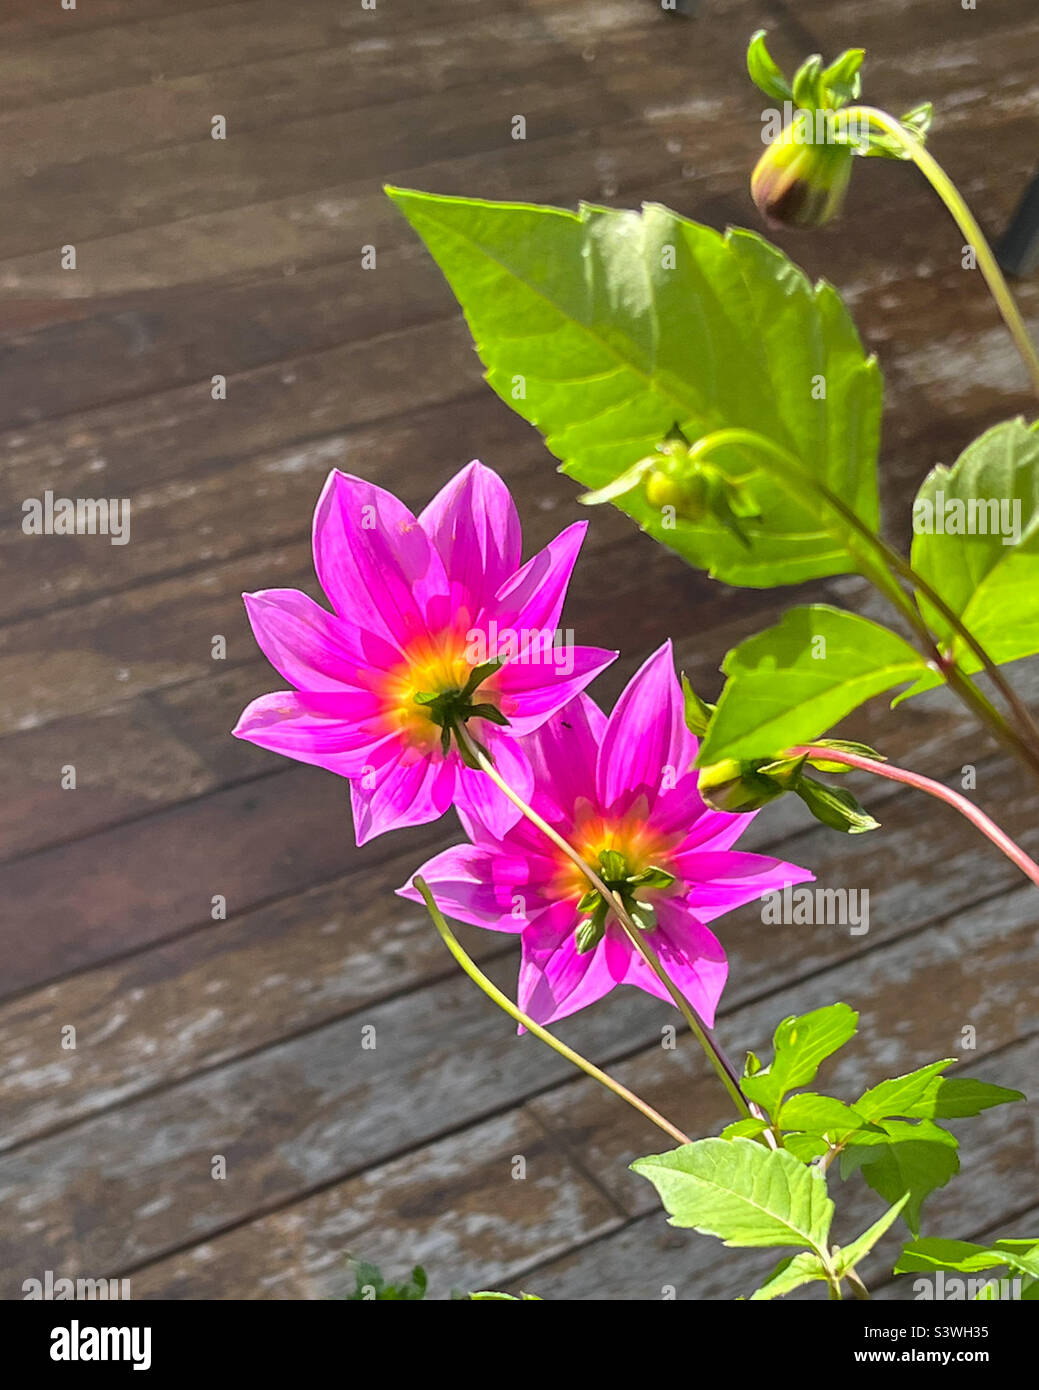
{"x": 555, "y": 981}
{"x": 474, "y": 525}
{"x": 478, "y": 795}
{"x": 331, "y": 731}
{"x": 400, "y": 787}
{"x": 722, "y": 881}
{"x": 533, "y": 598}
{"x": 531, "y": 691}
{"x": 690, "y": 953}
{"x": 483, "y": 887}
{"x": 378, "y": 567}
{"x": 562, "y": 756}
{"x": 312, "y": 648}
{"x": 647, "y": 744}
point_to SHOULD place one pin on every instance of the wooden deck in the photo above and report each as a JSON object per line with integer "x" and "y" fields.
{"x": 242, "y": 257}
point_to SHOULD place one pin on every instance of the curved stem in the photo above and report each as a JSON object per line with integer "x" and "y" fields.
{"x": 968, "y": 225}
{"x": 493, "y": 992}
{"x": 794, "y": 477}
{"x": 725, "y": 1070}
{"x": 966, "y": 808}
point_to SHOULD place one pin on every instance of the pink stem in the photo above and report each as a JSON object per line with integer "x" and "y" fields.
{"x": 974, "y": 814}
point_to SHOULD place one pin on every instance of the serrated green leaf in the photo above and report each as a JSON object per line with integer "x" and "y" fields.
{"x": 790, "y": 1274}
{"x": 912, "y": 1166}
{"x": 742, "y": 1192}
{"x": 606, "y": 329}
{"x": 954, "y": 1098}
{"x": 799, "y": 1045}
{"x": 794, "y": 681}
{"x": 851, "y": 1254}
{"x": 893, "y": 1097}
{"x": 991, "y": 586}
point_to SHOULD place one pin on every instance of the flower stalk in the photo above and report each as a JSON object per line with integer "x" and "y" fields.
{"x": 494, "y": 993}
{"x": 966, "y": 808}
{"x": 940, "y": 181}
{"x": 723, "y": 1067}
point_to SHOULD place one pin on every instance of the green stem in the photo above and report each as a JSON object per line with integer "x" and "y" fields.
{"x": 493, "y": 992}
{"x": 877, "y": 567}
{"x": 858, "y": 1288}
{"x": 968, "y": 225}
{"x": 726, "y": 1072}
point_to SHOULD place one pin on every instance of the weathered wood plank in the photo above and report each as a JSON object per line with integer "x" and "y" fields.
{"x": 331, "y": 1120}
{"x": 288, "y": 1120}
{"x": 197, "y": 40}
{"x": 455, "y": 1207}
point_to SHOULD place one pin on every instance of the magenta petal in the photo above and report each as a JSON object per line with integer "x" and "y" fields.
{"x": 531, "y": 691}
{"x": 474, "y": 525}
{"x": 562, "y": 756}
{"x": 399, "y": 788}
{"x": 331, "y": 731}
{"x": 478, "y": 796}
{"x": 555, "y": 981}
{"x": 647, "y": 745}
{"x": 690, "y": 953}
{"x": 482, "y": 887}
{"x": 533, "y": 598}
{"x": 722, "y": 881}
{"x": 376, "y": 564}
{"x": 310, "y": 647}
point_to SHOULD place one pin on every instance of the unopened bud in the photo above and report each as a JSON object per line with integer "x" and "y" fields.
{"x": 800, "y": 179}
{"x": 730, "y": 785}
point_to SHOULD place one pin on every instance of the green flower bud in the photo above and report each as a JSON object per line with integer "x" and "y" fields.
{"x": 802, "y": 179}
{"x": 730, "y": 785}
{"x": 687, "y": 495}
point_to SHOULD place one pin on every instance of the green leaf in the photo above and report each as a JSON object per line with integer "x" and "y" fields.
{"x": 933, "y": 1253}
{"x": 991, "y": 586}
{"x": 850, "y": 1255}
{"x": 741, "y": 1192}
{"x": 607, "y": 329}
{"x": 744, "y": 1129}
{"x": 819, "y": 1115}
{"x": 909, "y": 1164}
{"x": 794, "y": 681}
{"x": 799, "y": 1045}
{"x": 790, "y": 1274}
{"x": 901, "y": 1093}
{"x": 953, "y": 1098}
{"x": 805, "y": 1146}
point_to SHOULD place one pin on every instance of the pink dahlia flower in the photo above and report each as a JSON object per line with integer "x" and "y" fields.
{"x": 622, "y": 791}
{"x": 435, "y": 625}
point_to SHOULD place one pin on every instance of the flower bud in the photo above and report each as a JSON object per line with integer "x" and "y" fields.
{"x": 801, "y": 179}
{"x": 730, "y": 785}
